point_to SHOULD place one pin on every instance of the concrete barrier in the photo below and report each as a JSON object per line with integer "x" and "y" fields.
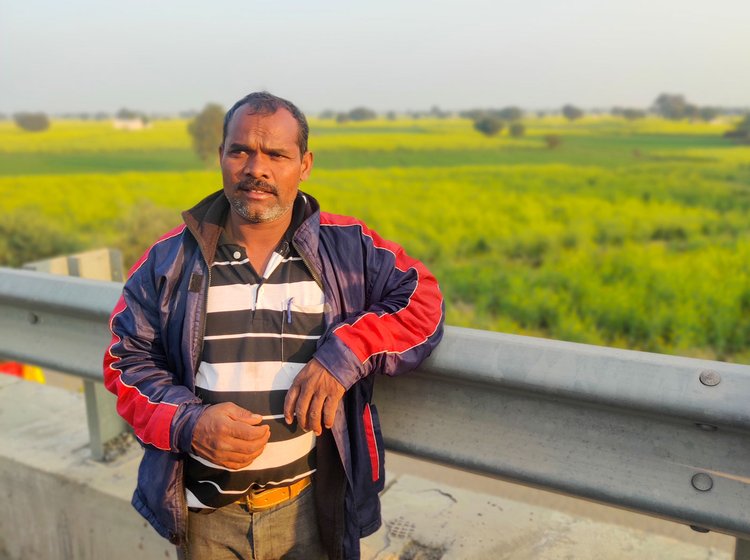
{"x": 57, "y": 502}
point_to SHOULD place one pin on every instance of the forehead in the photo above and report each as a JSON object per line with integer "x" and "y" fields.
{"x": 280, "y": 126}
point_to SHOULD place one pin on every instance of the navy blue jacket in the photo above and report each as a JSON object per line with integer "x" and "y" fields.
{"x": 384, "y": 313}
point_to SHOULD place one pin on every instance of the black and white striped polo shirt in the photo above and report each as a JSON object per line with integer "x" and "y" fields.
{"x": 260, "y": 332}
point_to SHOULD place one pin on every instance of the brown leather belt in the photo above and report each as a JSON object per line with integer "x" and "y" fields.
{"x": 258, "y": 500}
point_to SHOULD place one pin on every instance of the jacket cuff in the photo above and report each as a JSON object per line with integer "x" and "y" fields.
{"x": 183, "y": 425}
{"x": 339, "y": 359}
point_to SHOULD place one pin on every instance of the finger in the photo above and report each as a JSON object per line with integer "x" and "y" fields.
{"x": 315, "y": 412}
{"x": 290, "y": 402}
{"x": 303, "y": 404}
{"x": 231, "y": 451}
{"x": 329, "y": 410}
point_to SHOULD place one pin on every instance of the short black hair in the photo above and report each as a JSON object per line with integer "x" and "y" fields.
{"x": 264, "y": 103}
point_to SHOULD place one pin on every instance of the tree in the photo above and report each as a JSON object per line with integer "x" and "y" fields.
{"x": 709, "y": 113}
{"x": 488, "y": 125}
{"x": 572, "y": 112}
{"x": 692, "y": 111}
{"x": 670, "y": 106}
{"x": 438, "y": 113}
{"x": 362, "y": 114}
{"x": 126, "y": 114}
{"x": 31, "y": 122}
{"x": 327, "y": 114}
{"x": 510, "y": 114}
{"x": 206, "y": 130}
{"x": 517, "y": 130}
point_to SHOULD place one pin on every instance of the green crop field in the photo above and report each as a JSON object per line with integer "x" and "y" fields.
{"x": 629, "y": 234}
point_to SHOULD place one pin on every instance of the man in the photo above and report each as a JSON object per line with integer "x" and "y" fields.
{"x": 242, "y": 352}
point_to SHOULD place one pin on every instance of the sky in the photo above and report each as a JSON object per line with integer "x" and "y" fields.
{"x": 165, "y": 56}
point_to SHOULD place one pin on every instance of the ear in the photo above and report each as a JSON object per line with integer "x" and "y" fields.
{"x": 221, "y": 152}
{"x": 306, "y": 166}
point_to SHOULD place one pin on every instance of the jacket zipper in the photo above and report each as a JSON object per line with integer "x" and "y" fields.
{"x": 203, "y": 325}
{"x": 180, "y": 477}
{"x": 314, "y": 274}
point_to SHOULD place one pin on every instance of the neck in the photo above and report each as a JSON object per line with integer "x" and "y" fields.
{"x": 247, "y": 233}
{"x": 258, "y": 239}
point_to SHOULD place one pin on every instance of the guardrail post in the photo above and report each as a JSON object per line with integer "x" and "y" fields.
{"x": 104, "y": 422}
{"x": 101, "y": 264}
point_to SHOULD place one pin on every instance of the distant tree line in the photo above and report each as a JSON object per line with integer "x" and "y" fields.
{"x": 492, "y": 121}
{"x": 676, "y": 107}
{"x": 126, "y": 114}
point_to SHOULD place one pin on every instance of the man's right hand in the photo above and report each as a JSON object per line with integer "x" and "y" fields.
{"x": 229, "y": 435}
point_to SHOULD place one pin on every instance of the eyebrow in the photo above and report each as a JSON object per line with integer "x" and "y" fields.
{"x": 266, "y": 149}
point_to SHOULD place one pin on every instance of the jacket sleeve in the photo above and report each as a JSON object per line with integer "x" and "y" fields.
{"x": 403, "y": 321}
{"x": 161, "y": 411}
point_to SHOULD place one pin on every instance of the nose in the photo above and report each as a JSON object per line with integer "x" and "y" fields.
{"x": 256, "y": 166}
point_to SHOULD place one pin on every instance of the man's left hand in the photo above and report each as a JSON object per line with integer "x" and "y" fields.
{"x": 313, "y": 397}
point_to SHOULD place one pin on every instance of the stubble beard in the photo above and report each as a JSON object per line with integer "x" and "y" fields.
{"x": 256, "y": 215}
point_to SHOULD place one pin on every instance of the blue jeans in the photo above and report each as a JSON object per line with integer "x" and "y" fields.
{"x": 288, "y": 531}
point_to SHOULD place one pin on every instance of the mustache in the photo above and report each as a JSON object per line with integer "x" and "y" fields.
{"x": 256, "y": 184}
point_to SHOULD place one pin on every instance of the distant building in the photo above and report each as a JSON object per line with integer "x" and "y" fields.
{"x": 130, "y": 124}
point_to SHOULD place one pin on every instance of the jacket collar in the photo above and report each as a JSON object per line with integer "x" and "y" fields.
{"x": 206, "y": 221}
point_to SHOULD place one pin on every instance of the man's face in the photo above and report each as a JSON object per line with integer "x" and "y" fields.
{"x": 261, "y": 165}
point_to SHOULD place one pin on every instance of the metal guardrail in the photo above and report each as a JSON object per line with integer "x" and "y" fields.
{"x": 661, "y": 435}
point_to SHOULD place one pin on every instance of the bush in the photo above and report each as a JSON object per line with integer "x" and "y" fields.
{"x": 517, "y": 130}
{"x": 26, "y": 236}
{"x": 32, "y": 122}
{"x": 741, "y": 132}
{"x": 552, "y": 141}
{"x": 143, "y": 224}
{"x": 489, "y": 126}
{"x": 206, "y": 131}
